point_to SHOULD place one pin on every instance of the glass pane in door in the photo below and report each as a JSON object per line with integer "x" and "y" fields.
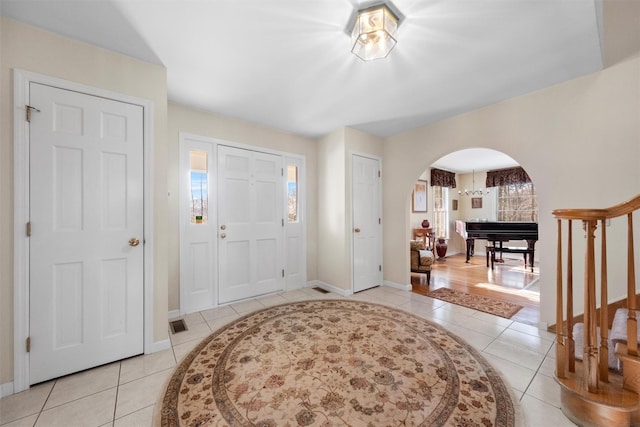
{"x": 292, "y": 193}
{"x": 199, "y": 187}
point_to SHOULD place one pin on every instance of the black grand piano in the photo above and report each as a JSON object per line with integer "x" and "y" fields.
{"x": 498, "y": 232}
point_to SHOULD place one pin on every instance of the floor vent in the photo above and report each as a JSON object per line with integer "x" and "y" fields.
{"x": 177, "y": 326}
{"x": 322, "y": 291}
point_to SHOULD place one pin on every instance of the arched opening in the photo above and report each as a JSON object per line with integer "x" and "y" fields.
{"x": 502, "y": 264}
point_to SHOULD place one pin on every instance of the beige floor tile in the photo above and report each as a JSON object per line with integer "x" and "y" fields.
{"x": 197, "y": 331}
{"x": 83, "y": 384}
{"x": 141, "y": 418}
{"x": 539, "y": 413}
{"x": 490, "y": 318}
{"x": 491, "y": 329}
{"x": 23, "y": 422}
{"x": 297, "y": 295}
{"x": 181, "y": 350}
{"x": 532, "y": 330}
{"x": 271, "y": 300}
{"x": 419, "y": 308}
{"x": 218, "y": 312}
{"x": 548, "y": 367}
{"x": 529, "y": 342}
{"x": 517, "y": 376}
{"x": 513, "y": 353}
{"x": 26, "y": 403}
{"x": 477, "y": 340}
{"x": 246, "y": 307}
{"x": 448, "y": 316}
{"x": 216, "y": 324}
{"x": 546, "y": 389}
{"x": 141, "y": 366}
{"x": 90, "y": 411}
{"x": 140, "y": 393}
{"x": 191, "y": 319}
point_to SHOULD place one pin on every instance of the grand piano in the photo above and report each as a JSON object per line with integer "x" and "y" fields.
{"x": 496, "y": 231}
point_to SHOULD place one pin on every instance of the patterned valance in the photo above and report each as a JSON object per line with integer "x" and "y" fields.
{"x": 509, "y": 176}
{"x": 440, "y": 178}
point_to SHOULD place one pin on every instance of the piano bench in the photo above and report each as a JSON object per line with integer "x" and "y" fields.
{"x": 492, "y": 249}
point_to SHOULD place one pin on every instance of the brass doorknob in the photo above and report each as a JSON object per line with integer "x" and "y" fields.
{"x": 357, "y": 230}
{"x": 134, "y": 242}
{"x": 223, "y": 235}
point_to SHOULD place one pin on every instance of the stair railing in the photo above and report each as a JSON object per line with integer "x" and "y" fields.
{"x": 595, "y": 358}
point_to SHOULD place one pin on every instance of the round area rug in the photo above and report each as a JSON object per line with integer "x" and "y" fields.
{"x": 335, "y": 363}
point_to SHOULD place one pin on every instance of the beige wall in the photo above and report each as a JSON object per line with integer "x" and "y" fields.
{"x": 197, "y": 122}
{"x": 566, "y": 137}
{"x": 31, "y": 49}
{"x": 334, "y": 201}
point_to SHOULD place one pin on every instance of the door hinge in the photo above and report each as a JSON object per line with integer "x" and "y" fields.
{"x": 28, "y": 344}
{"x": 283, "y": 272}
{"x": 379, "y": 220}
{"x": 282, "y": 171}
{"x": 28, "y": 109}
{"x": 379, "y": 268}
{"x": 29, "y": 229}
{"x": 378, "y": 174}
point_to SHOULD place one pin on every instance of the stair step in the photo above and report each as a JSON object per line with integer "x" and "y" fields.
{"x": 611, "y": 406}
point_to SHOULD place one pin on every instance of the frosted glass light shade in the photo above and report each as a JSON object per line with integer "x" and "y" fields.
{"x": 374, "y": 33}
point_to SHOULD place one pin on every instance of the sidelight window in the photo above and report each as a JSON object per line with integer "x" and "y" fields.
{"x": 292, "y": 194}
{"x": 199, "y": 186}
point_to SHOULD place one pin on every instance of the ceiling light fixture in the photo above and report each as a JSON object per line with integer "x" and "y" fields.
{"x": 474, "y": 192}
{"x": 374, "y": 32}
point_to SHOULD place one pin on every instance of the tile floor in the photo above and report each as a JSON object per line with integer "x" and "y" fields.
{"x": 124, "y": 393}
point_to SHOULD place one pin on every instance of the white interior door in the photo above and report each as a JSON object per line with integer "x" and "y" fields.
{"x": 250, "y": 223}
{"x": 86, "y": 246}
{"x": 198, "y": 259}
{"x": 367, "y": 223}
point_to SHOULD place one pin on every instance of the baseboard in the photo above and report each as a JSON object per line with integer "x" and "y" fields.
{"x": 330, "y": 288}
{"x": 396, "y": 285}
{"x": 6, "y": 389}
{"x": 173, "y": 314}
{"x": 161, "y": 345}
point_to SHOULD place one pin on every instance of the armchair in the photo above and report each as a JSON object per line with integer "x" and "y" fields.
{"x": 421, "y": 258}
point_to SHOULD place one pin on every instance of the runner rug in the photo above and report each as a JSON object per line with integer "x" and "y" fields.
{"x": 476, "y": 302}
{"x": 335, "y": 363}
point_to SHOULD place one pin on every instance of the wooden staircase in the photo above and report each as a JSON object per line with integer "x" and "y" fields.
{"x": 591, "y": 395}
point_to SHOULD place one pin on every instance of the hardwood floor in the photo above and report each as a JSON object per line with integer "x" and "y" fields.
{"x": 508, "y": 281}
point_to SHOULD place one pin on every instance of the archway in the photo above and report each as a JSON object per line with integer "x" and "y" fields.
{"x": 512, "y": 278}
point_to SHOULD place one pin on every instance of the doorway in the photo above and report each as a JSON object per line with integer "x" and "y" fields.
{"x": 243, "y": 228}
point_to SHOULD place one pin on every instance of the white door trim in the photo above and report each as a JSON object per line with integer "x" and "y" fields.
{"x": 21, "y": 81}
{"x": 215, "y": 142}
{"x": 353, "y": 153}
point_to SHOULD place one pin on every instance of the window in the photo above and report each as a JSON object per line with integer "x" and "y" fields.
{"x": 517, "y": 202}
{"x": 292, "y": 193}
{"x": 199, "y": 186}
{"x": 441, "y": 211}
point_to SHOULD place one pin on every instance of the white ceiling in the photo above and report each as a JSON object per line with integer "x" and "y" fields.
{"x": 287, "y": 64}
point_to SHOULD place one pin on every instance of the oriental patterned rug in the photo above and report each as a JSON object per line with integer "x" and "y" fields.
{"x": 476, "y": 302}
{"x": 335, "y": 363}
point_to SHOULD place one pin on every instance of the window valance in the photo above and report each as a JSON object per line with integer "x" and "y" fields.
{"x": 509, "y": 176}
{"x": 442, "y": 178}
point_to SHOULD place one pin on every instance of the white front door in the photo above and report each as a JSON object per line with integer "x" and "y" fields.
{"x": 367, "y": 223}
{"x": 86, "y": 216}
{"x": 250, "y": 223}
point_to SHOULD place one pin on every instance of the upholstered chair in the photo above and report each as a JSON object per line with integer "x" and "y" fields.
{"x": 421, "y": 258}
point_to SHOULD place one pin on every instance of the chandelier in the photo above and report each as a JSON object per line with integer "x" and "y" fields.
{"x": 473, "y": 191}
{"x": 374, "y": 32}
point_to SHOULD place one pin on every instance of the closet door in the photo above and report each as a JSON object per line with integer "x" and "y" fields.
{"x": 367, "y": 223}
